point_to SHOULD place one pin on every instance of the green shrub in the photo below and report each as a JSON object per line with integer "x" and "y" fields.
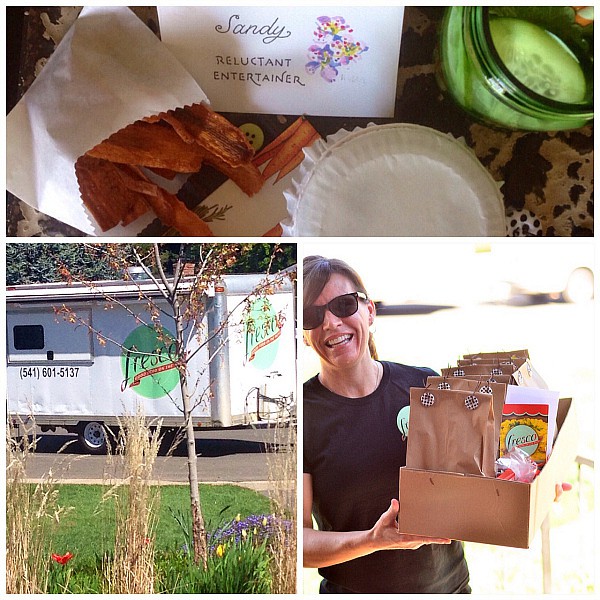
{"x": 234, "y": 569}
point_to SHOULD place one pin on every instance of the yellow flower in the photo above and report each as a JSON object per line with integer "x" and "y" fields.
{"x": 238, "y": 517}
{"x": 264, "y": 521}
{"x": 220, "y": 550}
{"x": 244, "y": 533}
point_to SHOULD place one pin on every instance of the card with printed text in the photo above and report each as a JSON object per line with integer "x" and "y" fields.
{"x": 322, "y": 61}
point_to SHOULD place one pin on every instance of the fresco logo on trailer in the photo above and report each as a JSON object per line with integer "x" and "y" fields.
{"x": 148, "y": 363}
{"x": 263, "y": 330}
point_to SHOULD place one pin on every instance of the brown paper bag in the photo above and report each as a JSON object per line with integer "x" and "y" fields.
{"x": 484, "y": 386}
{"x": 479, "y": 370}
{"x": 516, "y": 362}
{"x": 452, "y": 431}
{"x": 505, "y": 354}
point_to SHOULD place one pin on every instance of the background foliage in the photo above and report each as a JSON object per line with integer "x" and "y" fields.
{"x": 41, "y": 262}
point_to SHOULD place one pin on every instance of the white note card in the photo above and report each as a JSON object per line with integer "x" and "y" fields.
{"x": 322, "y": 61}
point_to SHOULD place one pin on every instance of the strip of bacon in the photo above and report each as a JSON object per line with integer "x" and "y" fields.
{"x": 150, "y": 145}
{"x": 104, "y": 194}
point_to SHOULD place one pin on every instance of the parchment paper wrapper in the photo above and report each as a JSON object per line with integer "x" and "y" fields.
{"x": 108, "y": 71}
{"x": 393, "y": 180}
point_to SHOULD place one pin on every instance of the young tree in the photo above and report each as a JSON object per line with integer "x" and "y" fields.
{"x": 185, "y": 295}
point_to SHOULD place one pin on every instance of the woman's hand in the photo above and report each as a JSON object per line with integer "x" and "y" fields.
{"x": 385, "y": 534}
{"x": 326, "y": 548}
{"x": 560, "y": 488}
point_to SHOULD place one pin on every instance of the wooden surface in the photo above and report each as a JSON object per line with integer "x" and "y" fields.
{"x": 546, "y": 178}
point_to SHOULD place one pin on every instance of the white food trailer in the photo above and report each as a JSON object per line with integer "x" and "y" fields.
{"x": 85, "y": 372}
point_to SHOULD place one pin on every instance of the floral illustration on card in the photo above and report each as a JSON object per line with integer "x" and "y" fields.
{"x": 334, "y": 48}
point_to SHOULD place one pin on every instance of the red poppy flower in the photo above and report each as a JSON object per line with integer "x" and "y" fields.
{"x": 64, "y": 559}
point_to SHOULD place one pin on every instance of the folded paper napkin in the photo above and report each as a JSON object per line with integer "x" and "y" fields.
{"x": 109, "y": 70}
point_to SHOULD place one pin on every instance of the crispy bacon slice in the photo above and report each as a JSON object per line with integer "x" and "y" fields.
{"x": 116, "y": 193}
{"x": 150, "y": 145}
{"x": 211, "y": 131}
{"x": 116, "y": 190}
{"x": 167, "y": 207}
{"x": 104, "y": 194}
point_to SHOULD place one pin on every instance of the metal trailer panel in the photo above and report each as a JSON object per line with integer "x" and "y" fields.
{"x": 63, "y": 380}
{"x": 263, "y": 358}
{"x": 74, "y": 377}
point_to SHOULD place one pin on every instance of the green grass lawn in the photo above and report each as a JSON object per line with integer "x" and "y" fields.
{"x": 87, "y": 529}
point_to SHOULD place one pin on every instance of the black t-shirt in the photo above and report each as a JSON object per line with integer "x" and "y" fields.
{"x": 353, "y": 449}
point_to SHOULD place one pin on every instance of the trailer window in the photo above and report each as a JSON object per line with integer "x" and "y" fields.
{"x": 28, "y": 337}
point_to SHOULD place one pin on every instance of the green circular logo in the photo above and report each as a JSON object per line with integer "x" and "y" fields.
{"x": 402, "y": 421}
{"x": 263, "y": 330}
{"x": 524, "y": 437}
{"x": 147, "y": 362}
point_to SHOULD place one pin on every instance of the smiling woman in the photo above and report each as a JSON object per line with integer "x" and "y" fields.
{"x": 352, "y": 496}
{"x": 402, "y": 274}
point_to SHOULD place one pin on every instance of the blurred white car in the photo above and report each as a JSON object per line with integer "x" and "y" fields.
{"x": 558, "y": 270}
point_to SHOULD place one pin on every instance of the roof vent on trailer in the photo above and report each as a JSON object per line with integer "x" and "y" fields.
{"x": 136, "y": 274}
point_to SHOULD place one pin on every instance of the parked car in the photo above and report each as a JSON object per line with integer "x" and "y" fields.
{"x": 556, "y": 270}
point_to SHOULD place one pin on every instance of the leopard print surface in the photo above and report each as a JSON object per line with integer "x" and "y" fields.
{"x": 546, "y": 178}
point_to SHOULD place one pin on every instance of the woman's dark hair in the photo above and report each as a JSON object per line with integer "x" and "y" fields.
{"x": 317, "y": 272}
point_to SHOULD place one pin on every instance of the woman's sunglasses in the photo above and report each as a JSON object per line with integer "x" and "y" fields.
{"x": 341, "y": 306}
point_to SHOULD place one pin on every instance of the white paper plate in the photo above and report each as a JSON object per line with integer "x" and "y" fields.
{"x": 393, "y": 180}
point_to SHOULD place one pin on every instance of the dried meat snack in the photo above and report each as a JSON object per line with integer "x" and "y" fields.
{"x": 212, "y": 132}
{"x": 150, "y": 145}
{"x": 104, "y": 193}
{"x": 118, "y": 194}
{"x": 167, "y": 207}
{"x": 116, "y": 190}
{"x": 246, "y": 176}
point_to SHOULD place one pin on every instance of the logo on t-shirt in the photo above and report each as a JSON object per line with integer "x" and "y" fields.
{"x": 402, "y": 421}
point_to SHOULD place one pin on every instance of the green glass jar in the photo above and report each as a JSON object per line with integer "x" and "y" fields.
{"x": 527, "y": 68}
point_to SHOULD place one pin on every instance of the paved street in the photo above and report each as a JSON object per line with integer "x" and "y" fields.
{"x": 235, "y": 455}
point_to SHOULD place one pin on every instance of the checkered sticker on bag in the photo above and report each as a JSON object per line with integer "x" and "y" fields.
{"x": 459, "y": 373}
{"x": 496, "y": 371}
{"x": 427, "y": 399}
{"x": 444, "y": 385}
{"x": 486, "y": 389}
{"x": 471, "y": 402}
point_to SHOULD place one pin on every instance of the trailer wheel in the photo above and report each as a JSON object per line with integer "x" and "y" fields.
{"x": 92, "y": 437}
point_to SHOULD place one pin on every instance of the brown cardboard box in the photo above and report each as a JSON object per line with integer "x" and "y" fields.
{"x": 484, "y": 509}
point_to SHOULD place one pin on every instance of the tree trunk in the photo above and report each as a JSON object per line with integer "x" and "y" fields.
{"x": 198, "y": 530}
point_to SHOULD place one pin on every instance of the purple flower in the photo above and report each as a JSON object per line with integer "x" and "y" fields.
{"x": 311, "y": 67}
{"x": 257, "y": 528}
{"x": 329, "y": 73}
{"x": 335, "y": 47}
